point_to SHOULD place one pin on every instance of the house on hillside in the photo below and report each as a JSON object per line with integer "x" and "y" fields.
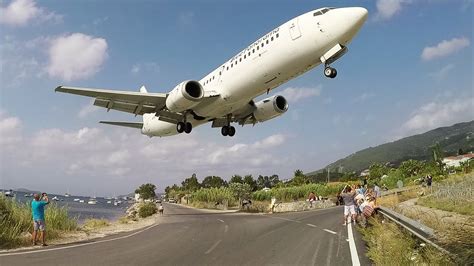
{"x": 455, "y": 161}
{"x": 365, "y": 173}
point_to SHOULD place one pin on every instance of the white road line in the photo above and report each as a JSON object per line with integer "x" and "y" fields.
{"x": 78, "y": 245}
{"x": 352, "y": 246}
{"x": 226, "y": 228}
{"x": 312, "y": 225}
{"x": 213, "y": 247}
{"x": 220, "y": 220}
{"x": 329, "y": 231}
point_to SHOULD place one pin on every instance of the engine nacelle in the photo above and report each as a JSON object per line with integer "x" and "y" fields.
{"x": 185, "y": 96}
{"x": 270, "y": 108}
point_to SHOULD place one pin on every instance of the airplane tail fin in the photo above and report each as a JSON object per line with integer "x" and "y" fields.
{"x": 143, "y": 89}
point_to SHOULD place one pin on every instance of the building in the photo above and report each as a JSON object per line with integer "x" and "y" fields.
{"x": 456, "y": 161}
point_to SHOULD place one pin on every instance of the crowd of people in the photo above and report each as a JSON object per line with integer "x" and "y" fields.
{"x": 360, "y": 202}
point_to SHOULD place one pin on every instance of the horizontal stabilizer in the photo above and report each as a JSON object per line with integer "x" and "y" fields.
{"x": 123, "y": 124}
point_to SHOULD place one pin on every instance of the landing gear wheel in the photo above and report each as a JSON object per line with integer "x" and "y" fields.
{"x": 330, "y": 72}
{"x": 188, "y": 127}
{"x": 225, "y": 130}
{"x": 180, "y": 127}
{"x": 231, "y": 131}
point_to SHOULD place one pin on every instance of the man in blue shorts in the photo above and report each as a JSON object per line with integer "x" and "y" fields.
{"x": 37, "y": 207}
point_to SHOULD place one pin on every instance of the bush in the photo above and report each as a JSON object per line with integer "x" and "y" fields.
{"x": 90, "y": 224}
{"x": 213, "y": 195}
{"x": 147, "y": 209}
{"x": 16, "y": 220}
{"x": 298, "y": 192}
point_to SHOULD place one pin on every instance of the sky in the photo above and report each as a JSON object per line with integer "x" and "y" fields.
{"x": 409, "y": 70}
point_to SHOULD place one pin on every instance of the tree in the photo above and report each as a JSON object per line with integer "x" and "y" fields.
{"x": 146, "y": 191}
{"x": 191, "y": 184}
{"x": 411, "y": 167}
{"x": 236, "y": 179}
{"x": 213, "y": 181}
{"x": 248, "y": 179}
{"x": 240, "y": 191}
{"x": 267, "y": 181}
{"x": 377, "y": 170}
{"x": 461, "y": 151}
{"x": 299, "y": 178}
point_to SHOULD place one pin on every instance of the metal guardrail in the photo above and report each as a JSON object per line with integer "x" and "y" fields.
{"x": 418, "y": 229}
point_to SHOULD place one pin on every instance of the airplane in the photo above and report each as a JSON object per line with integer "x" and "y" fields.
{"x": 226, "y": 95}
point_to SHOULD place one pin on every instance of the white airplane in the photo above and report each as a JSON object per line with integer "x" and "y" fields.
{"x": 226, "y": 94}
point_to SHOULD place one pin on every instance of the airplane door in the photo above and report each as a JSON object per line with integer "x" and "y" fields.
{"x": 295, "y": 31}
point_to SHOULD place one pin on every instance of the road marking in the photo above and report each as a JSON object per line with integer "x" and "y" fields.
{"x": 352, "y": 246}
{"x": 226, "y": 228}
{"x": 312, "y": 225}
{"x": 220, "y": 220}
{"x": 78, "y": 245}
{"x": 329, "y": 231}
{"x": 286, "y": 219}
{"x": 213, "y": 247}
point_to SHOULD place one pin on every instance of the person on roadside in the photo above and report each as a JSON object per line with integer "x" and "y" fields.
{"x": 429, "y": 181}
{"x": 311, "y": 198}
{"x": 39, "y": 225}
{"x": 349, "y": 204}
{"x": 161, "y": 209}
{"x": 377, "y": 191}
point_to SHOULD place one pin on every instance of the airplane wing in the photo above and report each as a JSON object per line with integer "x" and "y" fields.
{"x": 137, "y": 103}
{"x": 123, "y": 124}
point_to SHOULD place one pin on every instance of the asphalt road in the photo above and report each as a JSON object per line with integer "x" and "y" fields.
{"x": 186, "y": 236}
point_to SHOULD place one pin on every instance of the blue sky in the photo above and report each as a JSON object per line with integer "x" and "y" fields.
{"x": 408, "y": 71}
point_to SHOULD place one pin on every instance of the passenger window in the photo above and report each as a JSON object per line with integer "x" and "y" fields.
{"x": 278, "y": 34}
{"x": 227, "y": 68}
{"x": 249, "y": 53}
{"x": 231, "y": 65}
{"x": 272, "y": 38}
{"x": 262, "y": 44}
{"x": 220, "y": 73}
{"x": 267, "y": 41}
{"x": 253, "y": 51}
{"x": 240, "y": 60}
{"x": 245, "y": 56}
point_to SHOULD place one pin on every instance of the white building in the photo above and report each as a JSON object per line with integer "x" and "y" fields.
{"x": 455, "y": 161}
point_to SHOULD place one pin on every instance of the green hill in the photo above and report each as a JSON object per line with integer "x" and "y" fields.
{"x": 450, "y": 139}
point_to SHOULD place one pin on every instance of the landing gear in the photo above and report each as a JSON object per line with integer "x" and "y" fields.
{"x": 330, "y": 72}
{"x": 184, "y": 127}
{"x": 228, "y": 131}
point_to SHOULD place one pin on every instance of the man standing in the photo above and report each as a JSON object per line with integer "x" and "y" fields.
{"x": 37, "y": 207}
{"x": 349, "y": 209}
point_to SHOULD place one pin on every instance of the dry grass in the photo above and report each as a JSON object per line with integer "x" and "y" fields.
{"x": 393, "y": 200}
{"x": 91, "y": 224}
{"x": 390, "y": 245}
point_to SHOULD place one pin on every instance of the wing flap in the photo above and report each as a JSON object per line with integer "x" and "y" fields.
{"x": 123, "y": 124}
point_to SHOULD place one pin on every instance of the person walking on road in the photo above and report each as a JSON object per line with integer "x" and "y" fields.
{"x": 37, "y": 207}
{"x": 311, "y": 198}
{"x": 161, "y": 209}
{"x": 349, "y": 208}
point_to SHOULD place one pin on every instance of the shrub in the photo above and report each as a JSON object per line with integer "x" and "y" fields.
{"x": 90, "y": 224}
{"x": 298, "y": 192}
{"x": 147, "y": 209}
{"x": 16, "y": 220}
{"x": 213, "y": 195}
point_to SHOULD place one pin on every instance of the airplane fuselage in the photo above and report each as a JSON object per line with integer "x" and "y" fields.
{"x": 284, "y": 53}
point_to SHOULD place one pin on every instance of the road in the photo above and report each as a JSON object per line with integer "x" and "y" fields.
{"x": 185, "y": 236}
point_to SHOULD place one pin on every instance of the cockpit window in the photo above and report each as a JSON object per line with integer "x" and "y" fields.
{"x": 322, "y": 11}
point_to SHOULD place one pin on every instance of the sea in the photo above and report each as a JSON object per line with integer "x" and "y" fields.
{"x": 103, "y": 209}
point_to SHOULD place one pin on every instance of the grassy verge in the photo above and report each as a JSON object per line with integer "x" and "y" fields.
{"x": 454, "y": 195}
{"x": 91, "y": 224}
{"x": 16, "y": 222}
{"x": 390, "y": 245}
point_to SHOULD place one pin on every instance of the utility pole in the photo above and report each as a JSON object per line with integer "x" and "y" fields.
{"x": 328, "y": 175}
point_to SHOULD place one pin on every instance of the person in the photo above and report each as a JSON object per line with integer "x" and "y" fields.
{"x": 348, "y": 198}
{"x": 37, "y": 207}
{"x": 311, "y": 198}
{"x": 161, "y": 209}
{"x": 377, "y": 190}
{"x": 429, "y": 180}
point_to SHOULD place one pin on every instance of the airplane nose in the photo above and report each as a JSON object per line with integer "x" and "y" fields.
{"x": 354, "y": 17}
{"x": 360, "y": 14}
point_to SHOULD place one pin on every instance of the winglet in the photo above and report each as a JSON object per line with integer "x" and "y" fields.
{"x": 143, "y": 89}
{"x": 58, "y": 88}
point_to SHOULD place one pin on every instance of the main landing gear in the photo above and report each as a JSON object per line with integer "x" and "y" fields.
{"x": 184, "y": 127}
{"x": 330, "y": 72}
{"x": 228, "y": 131}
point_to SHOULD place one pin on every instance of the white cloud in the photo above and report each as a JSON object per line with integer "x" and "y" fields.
{"x": 88, "y": 109}
{"x": 444, "y": 48}
{"x": 9, "y": 130}
{"x": 186, "y": 18}
{"x": 76, "y": 56}
{"x": 386, "y": 9}
{"x": 437, "y": 114}
{"x": 442, "y": 73}
{"x": 20, "y": 12}
{"x": 296, "y": 94}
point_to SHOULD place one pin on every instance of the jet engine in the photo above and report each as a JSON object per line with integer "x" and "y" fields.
{"x": 185, "y": 96}
{"x": 270, "y": 108}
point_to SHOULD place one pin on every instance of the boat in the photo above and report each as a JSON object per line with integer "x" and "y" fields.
{"x": 55, "y": 198}
{"x": 9, "y": 193}
{"x": 81, "y": 201}
{"x": 76, "y": 199}
{"x": 109, "y": 202}
{"x": 67, "y": 195}
{"x": 92, "y": 201}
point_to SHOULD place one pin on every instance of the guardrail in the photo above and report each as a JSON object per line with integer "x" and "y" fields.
{"x": 418, "y": 229}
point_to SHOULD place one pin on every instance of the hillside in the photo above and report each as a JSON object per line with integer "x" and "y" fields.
{"x": 417, "y": 147}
